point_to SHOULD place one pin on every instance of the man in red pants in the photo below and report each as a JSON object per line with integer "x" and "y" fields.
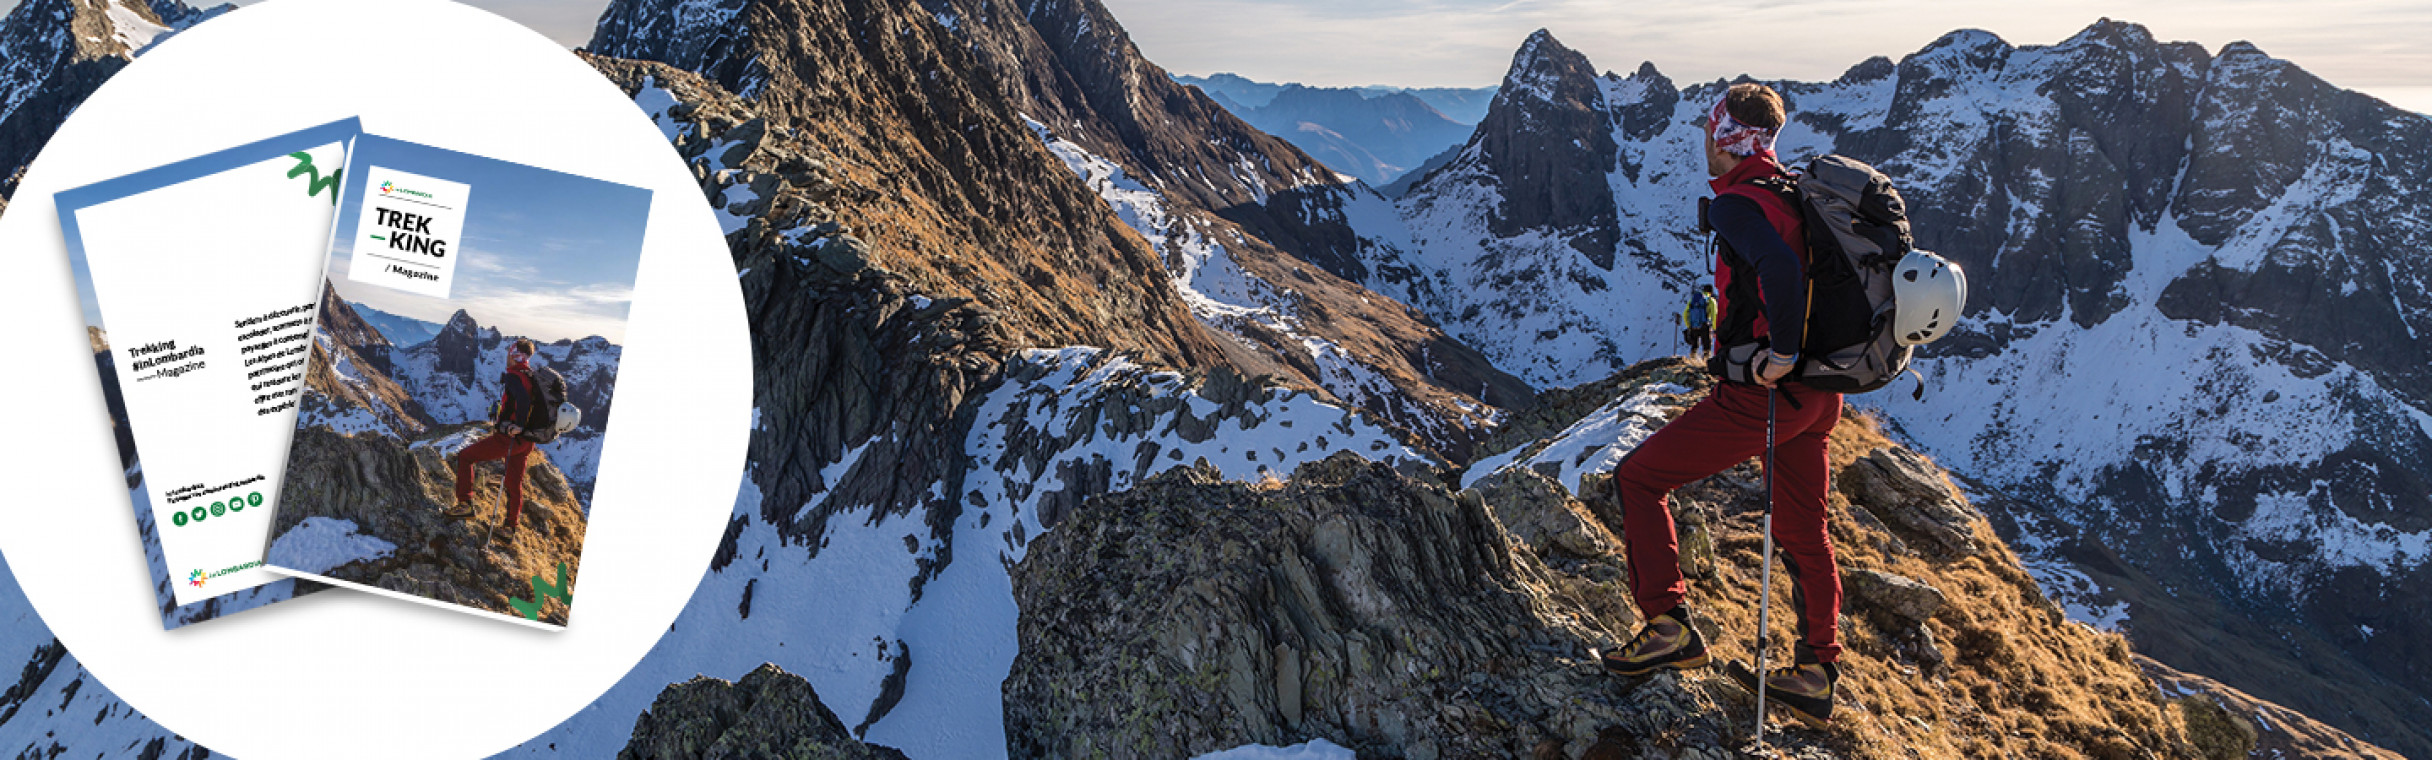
{"x": 514, "y": 403}
{"x": 1762, "y": 253}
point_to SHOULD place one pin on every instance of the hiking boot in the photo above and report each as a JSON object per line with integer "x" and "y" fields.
{"x": 1668, "y": 641}
{"x": 1804, "y": 689}
{"x": 462, "y": 510}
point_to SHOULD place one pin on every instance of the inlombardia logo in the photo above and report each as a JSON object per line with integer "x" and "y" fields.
{"x": 197, "y": 578}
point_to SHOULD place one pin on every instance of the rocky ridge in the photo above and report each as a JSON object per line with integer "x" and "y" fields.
{"x": 1001, "y": 92}
{"x": 1399, "y": 618}
{"x": 767, "y": 713}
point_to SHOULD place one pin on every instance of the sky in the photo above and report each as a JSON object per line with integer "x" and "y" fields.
{"x": 2378, "y": 46}
{"x": 545, "y": 255}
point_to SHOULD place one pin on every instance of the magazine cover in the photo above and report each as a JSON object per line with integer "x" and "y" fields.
{"x": 197, "y": 282}
{"x": 451, "y": 422}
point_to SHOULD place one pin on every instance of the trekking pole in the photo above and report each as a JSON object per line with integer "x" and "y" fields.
{"x": 1765, "y": 574}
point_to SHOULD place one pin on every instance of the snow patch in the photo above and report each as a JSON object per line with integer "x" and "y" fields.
{"x": 320, "y": 544}
{"x": 1314, "y": 749}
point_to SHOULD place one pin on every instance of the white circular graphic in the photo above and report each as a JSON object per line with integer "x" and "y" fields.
{"x": 342, "y": 673}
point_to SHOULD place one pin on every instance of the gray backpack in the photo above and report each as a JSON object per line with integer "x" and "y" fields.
{"x": 1856, "y": 229}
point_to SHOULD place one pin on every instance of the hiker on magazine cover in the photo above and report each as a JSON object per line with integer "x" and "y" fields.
{"x": 515, "y": 402}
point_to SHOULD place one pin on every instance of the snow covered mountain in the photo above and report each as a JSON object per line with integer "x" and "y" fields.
{"x": 2192, "y": 361}
{"x": 1466, "y": 105}
{"x": 53, "y": 53}
{"x": 399, "y": 330}
{"x": 1375, "y": 134}
{"x": 1208, "y": 196}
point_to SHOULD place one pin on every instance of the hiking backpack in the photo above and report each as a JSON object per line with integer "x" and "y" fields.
{"x": 547, "y": 391}
{"x": 1856, "y": 228}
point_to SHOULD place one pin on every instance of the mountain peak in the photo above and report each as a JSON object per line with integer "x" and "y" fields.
{"x": 1539, "y": 46}
{"x": 1545, "y": 69}
{"x": 2242, "y": 49}
{"x": 1868, "y": 70}
{"x": 1547, "y": 141}
{"x": 2107, "y": 31}
{"x": 1963, "y": 43}
{"x": 696, "y": 35}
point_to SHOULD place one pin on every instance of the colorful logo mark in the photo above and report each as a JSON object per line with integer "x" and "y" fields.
{"x": 197, "y": 578}
{"x": 388, "y": 187}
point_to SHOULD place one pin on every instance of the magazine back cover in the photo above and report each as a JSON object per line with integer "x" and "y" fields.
{"x": 197, "y": 280}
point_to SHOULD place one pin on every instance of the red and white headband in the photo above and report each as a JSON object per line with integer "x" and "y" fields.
{"x": 1733, "y": 137}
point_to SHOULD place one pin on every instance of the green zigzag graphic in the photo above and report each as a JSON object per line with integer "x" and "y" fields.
{"x": 541, "y": 592}
{"x": 316, "y": 183}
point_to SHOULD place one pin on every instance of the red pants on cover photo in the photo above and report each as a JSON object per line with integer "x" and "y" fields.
{"x": 495, "y": 446}
{"x": 1725, "y": 429}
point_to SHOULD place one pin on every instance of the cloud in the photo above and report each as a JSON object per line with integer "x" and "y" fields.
{"x": 548, "y": 314}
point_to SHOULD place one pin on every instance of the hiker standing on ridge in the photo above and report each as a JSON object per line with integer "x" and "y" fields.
{"x": 515, "y": 402}
{"x": 1697, "y": 322}
{"x": 1762, "y": 282}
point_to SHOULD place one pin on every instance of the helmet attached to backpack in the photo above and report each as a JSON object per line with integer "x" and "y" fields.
{"x": 1930, "y": 293}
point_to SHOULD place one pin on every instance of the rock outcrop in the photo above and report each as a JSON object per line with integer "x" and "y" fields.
{"x": 1902, "y": 486}
{"x": 1542, "y": 516}
{"x": 769, "y": 713}
{"x": 1349, "y": 603}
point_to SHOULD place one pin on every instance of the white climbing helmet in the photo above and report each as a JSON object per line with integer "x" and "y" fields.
{"x": 1930, "y": 292}
{"x": 568, "y": 416}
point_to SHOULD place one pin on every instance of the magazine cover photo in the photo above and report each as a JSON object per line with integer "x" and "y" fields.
{"x": 459, "y": 387}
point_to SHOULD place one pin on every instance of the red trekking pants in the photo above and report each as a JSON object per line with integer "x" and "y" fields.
{"x": 1723, "y": 430}
{"x": 495, "y": 446}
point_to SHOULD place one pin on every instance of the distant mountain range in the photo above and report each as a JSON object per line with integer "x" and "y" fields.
{"x": 1382, "y": 135}
{"x": 401, "y": 331}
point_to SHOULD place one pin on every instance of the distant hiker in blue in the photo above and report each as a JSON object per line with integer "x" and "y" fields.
{"x": 1697, "y": 322}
